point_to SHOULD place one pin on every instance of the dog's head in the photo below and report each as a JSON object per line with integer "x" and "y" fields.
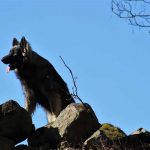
{"x": 17, "y": 54}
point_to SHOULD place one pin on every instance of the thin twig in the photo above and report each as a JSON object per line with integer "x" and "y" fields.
{"x": 75, "y": 92}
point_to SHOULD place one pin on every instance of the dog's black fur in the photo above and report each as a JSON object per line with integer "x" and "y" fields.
{"x": 41, "y": 83}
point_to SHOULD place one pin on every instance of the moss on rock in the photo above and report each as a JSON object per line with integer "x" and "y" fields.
{"x": 112, "y": 132}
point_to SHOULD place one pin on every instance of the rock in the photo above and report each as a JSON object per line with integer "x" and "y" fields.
{"x": 75, "y": 123}
{"x": 64, "y": 145}
{"x": 112, "y": 132}
{"x": 142, "y": 134}
{"x": 97, "y": 141}
{"x": 141, "y": 131}
{"x": 6, "y": 144}
{"x": 139, "y": 136}
{"x": 73, "y": 126}
{"x": 45, "y": 138}
{"x": 25, "y": 147}
{"x": 22, "y": 147}
{"x": 107, "y": 137}
{"x": 15, "y": 122}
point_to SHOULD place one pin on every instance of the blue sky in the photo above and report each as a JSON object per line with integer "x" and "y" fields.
{"x": 109, "y": 57}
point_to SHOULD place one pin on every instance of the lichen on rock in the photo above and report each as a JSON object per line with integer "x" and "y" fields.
{"x": 112, "y": 132}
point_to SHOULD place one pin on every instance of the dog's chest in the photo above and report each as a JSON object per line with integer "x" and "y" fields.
{"x": 29, "y": 74}
{"x": 34, "y": 76}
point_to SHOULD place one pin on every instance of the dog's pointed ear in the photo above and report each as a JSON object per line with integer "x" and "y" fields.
{"x": 23, "y": 42}
{"x": 15, "y": 42}
{"x": 25, "y": 46}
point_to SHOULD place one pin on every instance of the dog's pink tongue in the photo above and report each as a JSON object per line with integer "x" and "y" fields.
{"x": 7, "y": 69}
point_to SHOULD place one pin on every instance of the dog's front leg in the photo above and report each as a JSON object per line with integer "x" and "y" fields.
{"x": 55, "y": 105}
{"x": 51, "y": 117}
{"x": 30, "y": 102}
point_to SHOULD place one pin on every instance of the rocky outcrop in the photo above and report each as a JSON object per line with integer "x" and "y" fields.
{"x": 15, "y": 124}
{"x": 141, "y": 134}
{"x": 6, "y": 144}
{"x": 109, "y": 137}
{"x": 74, "y": 125}
{"x": 76, "y": 128}
{"x": 45, "y": 137}
{"x": 96, "y": 141}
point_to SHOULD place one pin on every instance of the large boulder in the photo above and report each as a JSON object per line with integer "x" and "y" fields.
{"x": 141, "y": 134}
{"x": 139, "y": 139}
{"x": 45, "y": 138}
{"x": 74, "y": 125}
{"x": 6, "y": 144}
{"x": 108, "y": 136}
{"x": 22, "y": 147}
{"x": 97, "y": 141}
{"x": 15, "y": 122}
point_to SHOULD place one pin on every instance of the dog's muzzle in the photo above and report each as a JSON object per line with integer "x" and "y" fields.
{"x": 7, "y": 59}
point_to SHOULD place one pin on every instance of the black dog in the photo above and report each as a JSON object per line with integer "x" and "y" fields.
{"x": 41, "y": 83}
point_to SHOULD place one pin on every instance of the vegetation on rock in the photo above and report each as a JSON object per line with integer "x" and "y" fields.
{"x": 112, "y": 132}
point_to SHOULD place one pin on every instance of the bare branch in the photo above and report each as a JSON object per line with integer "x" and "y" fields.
{"x": 127, "y": 9}
{"x": 73, "y": 78}
{"x": 145, "y": 1}
{"x": 75, "y": 89}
